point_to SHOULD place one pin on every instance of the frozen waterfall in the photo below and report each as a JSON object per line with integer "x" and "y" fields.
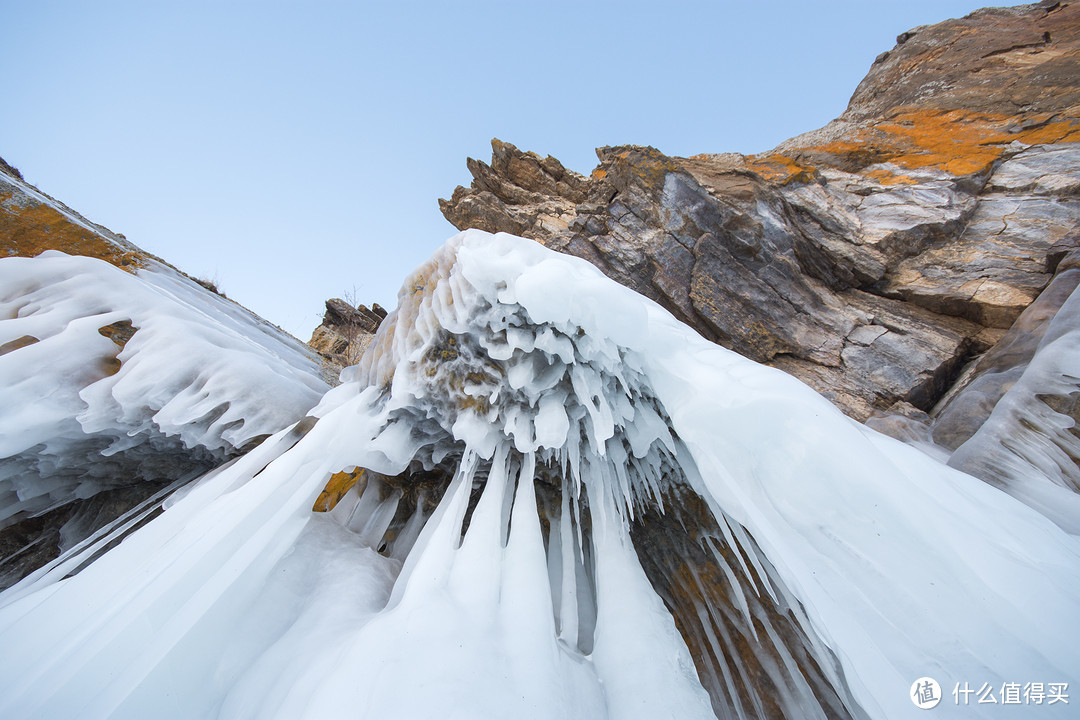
{"x": 540, "y": 496}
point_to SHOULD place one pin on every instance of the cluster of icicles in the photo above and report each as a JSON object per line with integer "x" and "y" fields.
{"x": 547, "y": 499}
{"x": 528, "y": 417}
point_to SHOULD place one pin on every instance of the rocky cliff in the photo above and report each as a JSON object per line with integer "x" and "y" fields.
{"x": 886, "y": 259}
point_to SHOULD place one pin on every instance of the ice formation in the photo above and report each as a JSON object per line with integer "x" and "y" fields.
{"x": 546, "y": 498}
{"x": 1029, "y": 446}
{"x": 113, "y": 378}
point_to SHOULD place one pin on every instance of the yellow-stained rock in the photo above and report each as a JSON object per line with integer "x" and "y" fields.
{"x": 339, "y": 484}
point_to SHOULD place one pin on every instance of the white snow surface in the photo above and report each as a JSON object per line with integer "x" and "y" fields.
{"x": 199, "y": 372}
{"x": 239, "y": 602}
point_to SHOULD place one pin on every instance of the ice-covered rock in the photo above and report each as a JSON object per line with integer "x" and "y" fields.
{"x": 1029, "y": 444}
{"x": 552, "y": 499}
{"x": 113, "y": 379}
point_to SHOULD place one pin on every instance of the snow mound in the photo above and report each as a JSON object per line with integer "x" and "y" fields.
{"x": 565, "y": 504}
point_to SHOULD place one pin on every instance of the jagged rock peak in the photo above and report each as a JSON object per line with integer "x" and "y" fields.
{"x": 345, "y": 332}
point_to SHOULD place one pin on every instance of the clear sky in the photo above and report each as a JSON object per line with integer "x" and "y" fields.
{"x": 294, "y": 151}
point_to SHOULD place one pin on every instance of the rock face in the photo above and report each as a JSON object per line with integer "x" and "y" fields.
{"x": 874, "y": 258}
{"x": 31, "y": 222}
{"x": 346, "y": 331}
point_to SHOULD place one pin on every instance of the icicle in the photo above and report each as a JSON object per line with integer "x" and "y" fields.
{"x": 375, "y": 528}
{"x": 556, "y": 561}
{"x": 406, "y": 539}
{"x": 428, "y": 565}
{"x": 369, "y": 501}
{"x": 733, "y": 583}
{"x": 568, "y": 608}
{"x": 477, "y": 569}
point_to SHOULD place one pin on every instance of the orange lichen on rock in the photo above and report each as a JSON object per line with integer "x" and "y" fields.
{"x": 119, "y": 332}
{"x": 109, "y": 366}
{"x": 653, "y": 167}
{"x": 883, "y": 176}
{"x": 29, "y": 228}
{"x": 645, "y": 165}
{"x": 780, "y": 169}
{"x": 959, "y": 142}
{"x": 338, "y": 485}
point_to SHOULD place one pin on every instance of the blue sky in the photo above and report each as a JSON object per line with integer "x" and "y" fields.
{"x": 296, "y": 151}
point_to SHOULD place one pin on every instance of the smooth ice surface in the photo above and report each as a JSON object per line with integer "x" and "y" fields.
{"x": 531, "y": 378}
{"x": 1029, "y": 445}
{"x": 199, "y": 375}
